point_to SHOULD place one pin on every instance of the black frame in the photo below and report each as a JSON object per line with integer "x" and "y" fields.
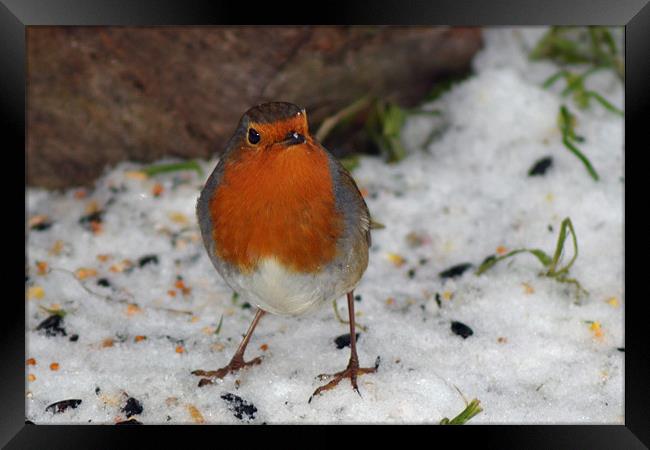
{"x": 15, "y": 15}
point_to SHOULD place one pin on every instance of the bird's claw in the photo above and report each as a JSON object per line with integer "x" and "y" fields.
{"x": 352, "y": 372}
{"x": 233, "y": 366}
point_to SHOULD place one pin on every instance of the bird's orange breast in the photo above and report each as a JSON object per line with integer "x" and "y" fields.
{"x": 280, "y": 203}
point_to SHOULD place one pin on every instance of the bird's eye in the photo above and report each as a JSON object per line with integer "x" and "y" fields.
{"x": 253, "y": 136}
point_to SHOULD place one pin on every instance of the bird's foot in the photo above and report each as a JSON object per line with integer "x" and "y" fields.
{"x": 352, "y": 372}
{"x": 234, "y": 365}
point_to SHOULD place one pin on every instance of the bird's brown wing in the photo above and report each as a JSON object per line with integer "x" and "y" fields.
{"x": 349, "y": 198}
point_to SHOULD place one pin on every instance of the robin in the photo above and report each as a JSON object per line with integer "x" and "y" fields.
{"x": 285, "y": 225}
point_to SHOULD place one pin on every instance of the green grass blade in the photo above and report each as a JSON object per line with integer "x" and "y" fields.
{"x": 472, "y": 409}
{"x": 491, "y": 261}
{"x": 218, "y": 330}
{"x": 553, "y": 78}
{"x": 608, "y": 106}
{"x": 581, "y": 157}
{"x": 174, "y": 167}
{"x": 565, "y": 122}
{"x": 566, "y": 225}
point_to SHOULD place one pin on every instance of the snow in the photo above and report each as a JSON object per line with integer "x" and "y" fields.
{"x": 535, "y": 355}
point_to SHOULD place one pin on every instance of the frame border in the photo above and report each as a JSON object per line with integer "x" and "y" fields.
{"x": 15, "y": 15}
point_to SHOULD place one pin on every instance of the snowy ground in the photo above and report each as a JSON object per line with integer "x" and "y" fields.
{"x": 534, "y": 355}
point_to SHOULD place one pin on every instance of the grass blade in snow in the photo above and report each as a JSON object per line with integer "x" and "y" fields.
{"x": 551, "y": 265}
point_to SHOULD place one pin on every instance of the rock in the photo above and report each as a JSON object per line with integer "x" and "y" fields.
{"x": 100, "y": 95}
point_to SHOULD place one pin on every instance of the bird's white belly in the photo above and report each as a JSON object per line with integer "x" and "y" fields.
{"x": 277, "y": 290}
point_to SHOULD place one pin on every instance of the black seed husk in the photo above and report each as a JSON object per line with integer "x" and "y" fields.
{"x": 132, "y": 407}
{"x": 93, "y": 217}
{"x": 461, "y": 329}
{"x": 41, "y": 226}
{"x": 104, "y": 282}
{"x": 541, "y": 166}
{"x": 344, "y": 340}
{"x": 455, "y": 271}
{"x": 62, "y": 405}
{"x": 74, "y": 338}
{"x": 240, "y": 407}
{"x": 146, "y": 259}
{"x": 129, "y": 422}
{"x": 52, "y": 326}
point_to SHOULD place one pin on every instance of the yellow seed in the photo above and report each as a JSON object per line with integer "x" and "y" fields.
{"x": 54, "y": 366}
{"x": 501, "y": 250}
{"x": 528, "y": 289}
{"x": 157, "y": 189}
{"x": 140, "y": 338}
{"x": 549, "y": 197}
{"x": 31, "y": 377}
{"x": 133, "y": 309}
{"x": 135, "y": 175}
{"x": 36, "y": 220}
{"x": 396, "y": 259}
{"x": 92, "y": 207}
{"x": 196, "y": 414}
{"x": 84, "y": 273}
{"x": 35, "y": 292}
{"x": 597, "y": 330}
{"x": 208, "y": 330}
{"x": 56, "y": 248}
{"x": 42, "y": 267}
{"x": 178, "y": 217}
{"x": 613, "y": 301}
{"x": 121, "y": 266}
{"x": 194, "y": 319}
{"x": 217, "y": 346}
{"x": 447, "y": 295}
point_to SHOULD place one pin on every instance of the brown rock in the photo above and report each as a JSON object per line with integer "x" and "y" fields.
{"x": 101, "y": 95}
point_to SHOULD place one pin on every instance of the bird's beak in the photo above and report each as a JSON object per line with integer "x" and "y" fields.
{"x": 293, "y": 138}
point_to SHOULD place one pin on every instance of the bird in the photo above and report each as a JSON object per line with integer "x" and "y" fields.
{"x": 286, "y": 227}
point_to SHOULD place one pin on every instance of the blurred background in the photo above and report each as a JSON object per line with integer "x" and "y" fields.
{"x": 101, "y": 95}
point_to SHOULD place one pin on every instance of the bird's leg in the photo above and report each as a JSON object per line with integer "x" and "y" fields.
{"x": 353, "y": 370}
{"x": 237, "y": 362}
